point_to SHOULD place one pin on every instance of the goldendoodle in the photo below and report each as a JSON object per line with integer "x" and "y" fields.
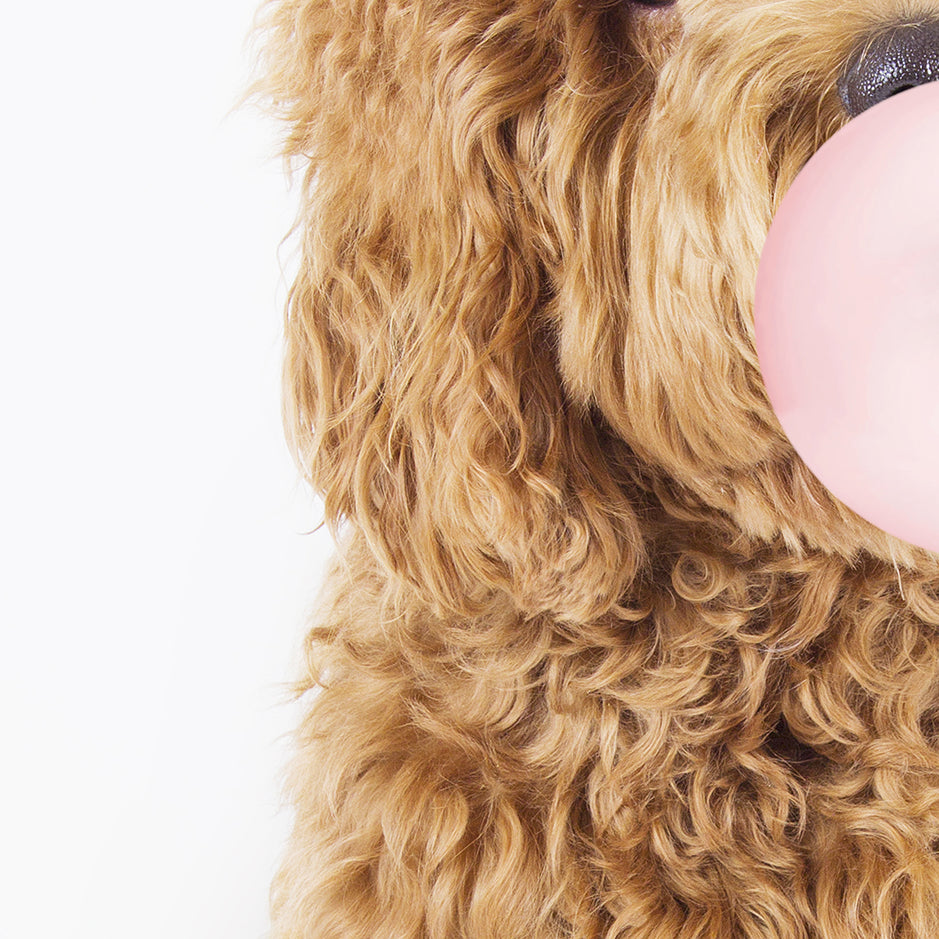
{"x": 597, "y": 656}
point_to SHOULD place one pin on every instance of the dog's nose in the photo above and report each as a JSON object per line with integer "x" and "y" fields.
{"x": 900, "y": 57}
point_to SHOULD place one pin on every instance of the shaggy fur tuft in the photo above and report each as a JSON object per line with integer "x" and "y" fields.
{"x": 598, "y": 656}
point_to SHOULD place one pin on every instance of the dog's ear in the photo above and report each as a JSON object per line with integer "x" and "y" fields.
{"x": 422, "y": 396}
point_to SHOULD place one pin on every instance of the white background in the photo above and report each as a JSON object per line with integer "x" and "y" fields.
{"x": 154, "y": 576}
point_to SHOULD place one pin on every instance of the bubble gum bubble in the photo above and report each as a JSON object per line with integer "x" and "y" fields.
{"x": 846, "y": 315}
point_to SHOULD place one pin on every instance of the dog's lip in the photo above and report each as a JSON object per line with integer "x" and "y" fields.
{"x": 655, "y": 11}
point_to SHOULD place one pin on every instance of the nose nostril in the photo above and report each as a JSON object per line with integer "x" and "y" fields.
{"x": 896, "y": 59}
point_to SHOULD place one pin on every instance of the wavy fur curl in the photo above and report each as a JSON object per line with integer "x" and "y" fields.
{"x": 597, "y": 655}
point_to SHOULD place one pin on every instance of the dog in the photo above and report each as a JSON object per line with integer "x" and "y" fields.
{"x": 597, "y": 655}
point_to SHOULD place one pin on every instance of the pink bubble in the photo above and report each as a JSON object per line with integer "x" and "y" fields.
{"x": 846, "y": 315}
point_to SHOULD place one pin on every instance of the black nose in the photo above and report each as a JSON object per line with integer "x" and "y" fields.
{"x": 897, "y": 58}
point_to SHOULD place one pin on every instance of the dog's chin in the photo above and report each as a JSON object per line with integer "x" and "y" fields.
{"x": 784, "y": 503}
{"x": 776, "y": 501}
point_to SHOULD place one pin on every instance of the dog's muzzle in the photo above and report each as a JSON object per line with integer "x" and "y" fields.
{"x": 893, "y": 60}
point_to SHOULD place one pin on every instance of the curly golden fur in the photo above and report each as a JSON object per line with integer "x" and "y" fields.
{"x": 598, "y": 656}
